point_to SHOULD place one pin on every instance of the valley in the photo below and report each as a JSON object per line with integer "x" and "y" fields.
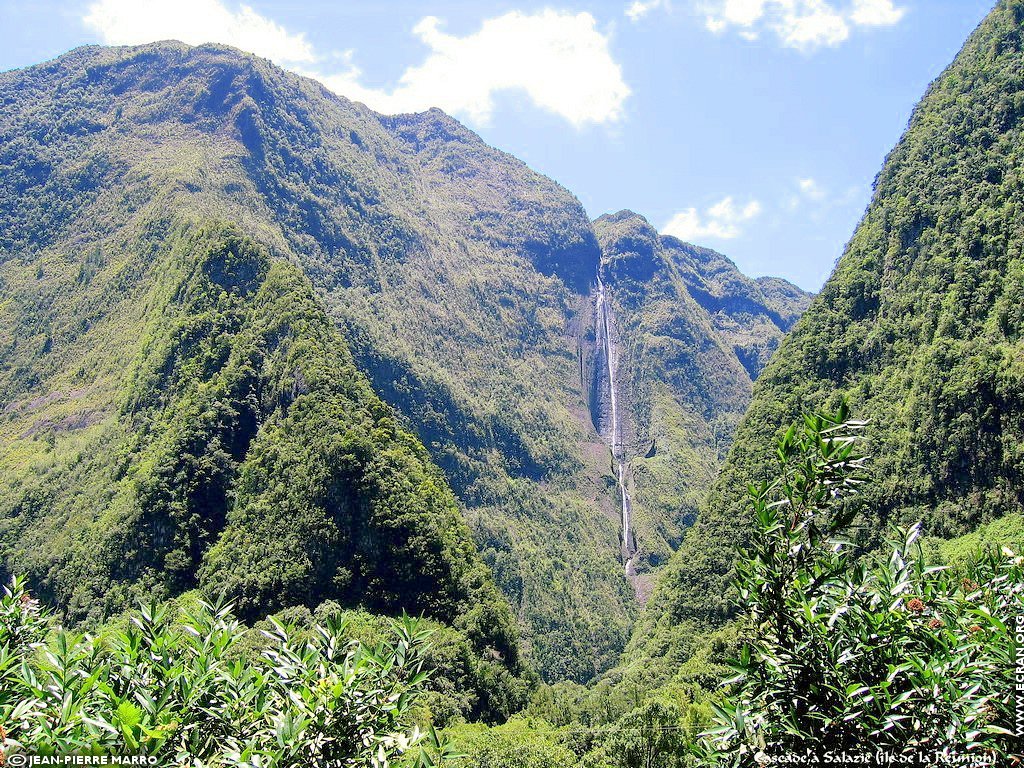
{"x": 463, "y": 283}
{"x": 350, "y": 435}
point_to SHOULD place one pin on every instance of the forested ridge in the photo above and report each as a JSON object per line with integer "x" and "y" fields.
{"x": 918, "y": 328}
{"x": 253, "y": 462}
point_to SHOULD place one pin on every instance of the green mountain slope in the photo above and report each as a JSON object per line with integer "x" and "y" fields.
{"x": 464, "y": 286}
{"x": 691, "y": 333}
{"x": 919, "y": 327}
{"x": 449, "y": 268}
{"x": 226, "y": 441}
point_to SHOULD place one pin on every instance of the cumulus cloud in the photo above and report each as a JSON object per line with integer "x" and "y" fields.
{"x": 807, "y": 194}
{"x": 801, "y": 24}
{"x": 561, "y": 61}
{"x": 640, "y": 8}
{"x": 876, "y": 13}
{"x": 740, "y": 13}
{"x": 811, "y": 24}
{"x": 722, "y": 220}
{"x": 131, "y": 22}
{"x": 811, "y": 199}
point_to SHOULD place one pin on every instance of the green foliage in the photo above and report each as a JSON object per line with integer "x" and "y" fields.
{"x": 918, "y": 328}
{"x": 692, "y": 333}
{"x": 659, "y": 733}
{"x": 635, "y": 716}
{"x": 249, "y": 458}
{"x": 1007, "y": 531}
{"x": 172, "y": 690}
{"x": 857, "y": 655}
{"x": 463, "y": 683}
{"x": 519, "y": 743}
{"x": 650, "y": 737}
{"x": 458, "y": 278}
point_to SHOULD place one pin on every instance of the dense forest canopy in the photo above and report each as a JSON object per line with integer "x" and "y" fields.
{"x": 265, "y": 353}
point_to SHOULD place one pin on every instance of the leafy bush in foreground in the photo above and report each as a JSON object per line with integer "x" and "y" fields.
{"x": 860, "y": 655}
{"x": 176, "y": 688}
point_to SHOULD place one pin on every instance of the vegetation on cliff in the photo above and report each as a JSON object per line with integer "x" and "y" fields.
{"x": 240, "y": 452}
{"x": 918, "y": 328}
{"x": 458, "y": 279}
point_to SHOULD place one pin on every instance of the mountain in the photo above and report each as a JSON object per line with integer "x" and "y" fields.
{"x": 258, "y": 339}
{"x": 689, "y": 332}
{"x": 919, "y": 327}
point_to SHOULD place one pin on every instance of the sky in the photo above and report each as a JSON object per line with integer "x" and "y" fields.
{"x": 754, "y": 127}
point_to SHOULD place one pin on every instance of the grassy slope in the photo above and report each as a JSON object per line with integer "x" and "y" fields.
{"x": 452, "y": 269}
{"x": 228, "y": 442}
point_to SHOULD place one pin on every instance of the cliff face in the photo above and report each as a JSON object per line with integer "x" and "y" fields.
{"x": 687, "y": 332}
{"x": 463, "y": 285}
{"x": 452, "y": 272}
{"x": 752, "y": 316}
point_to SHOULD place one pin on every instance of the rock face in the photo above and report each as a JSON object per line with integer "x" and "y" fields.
{"x": 609, "y": 418}
{"x": 751, "y": 315}
{"x": 464, "y": 285}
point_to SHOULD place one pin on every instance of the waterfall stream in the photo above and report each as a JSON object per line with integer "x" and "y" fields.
{"x": 615, "y": 438}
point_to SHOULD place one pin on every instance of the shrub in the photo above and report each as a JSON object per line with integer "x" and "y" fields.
{"x": 880, "y": 652}
{"x": 173, "y": 687}
{"x": 518, "y": 743}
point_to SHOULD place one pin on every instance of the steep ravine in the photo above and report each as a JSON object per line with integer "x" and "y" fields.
{"x": 608, "y": 418}
{"x": 682, "y": 374}
{"x": 461, "y": 281}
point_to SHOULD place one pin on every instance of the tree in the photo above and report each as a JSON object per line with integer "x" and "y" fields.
{"x": 651, "y": 736}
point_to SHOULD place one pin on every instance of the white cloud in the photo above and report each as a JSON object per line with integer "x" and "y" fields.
{"x": 810, "y": 24}
{"x": 131, "y": 22}
{"x": 560, "y": 60}
{"x": 811, "y": 189}
{"x": 808, "y": 194}
{"x": 815, "y": 202}
{"x": 723, "y": 221}
{"x": 801, "y": 24}
{"x": 741, "y": 13}
{"x": 876, "y": 13}
{"x": 640, "y": 8}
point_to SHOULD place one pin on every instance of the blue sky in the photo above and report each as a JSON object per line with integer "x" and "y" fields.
{"x": 754, "y": 127}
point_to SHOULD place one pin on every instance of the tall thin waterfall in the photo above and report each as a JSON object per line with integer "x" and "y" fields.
{"x": 612, "y": 431}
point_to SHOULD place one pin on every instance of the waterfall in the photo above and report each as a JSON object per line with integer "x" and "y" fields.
{"x": 614, "y": 439}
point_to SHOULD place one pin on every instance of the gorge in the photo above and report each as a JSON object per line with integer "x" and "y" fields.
{"x": 278, "y": 372}
{"x": 464, "y": 286}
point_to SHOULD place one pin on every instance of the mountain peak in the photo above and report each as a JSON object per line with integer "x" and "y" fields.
{"x": 629, "y": 244}
{"x": 460, "y": 281}
{"x": 440, "y": 263}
